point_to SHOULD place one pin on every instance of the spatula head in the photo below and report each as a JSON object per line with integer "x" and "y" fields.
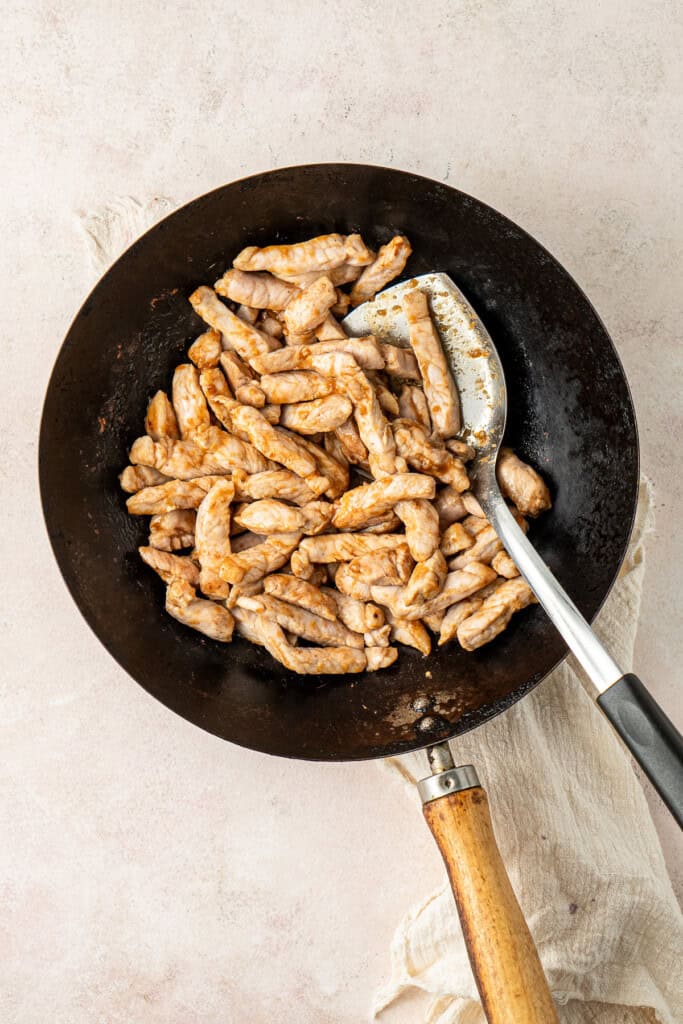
{"x": 472, "y": 356}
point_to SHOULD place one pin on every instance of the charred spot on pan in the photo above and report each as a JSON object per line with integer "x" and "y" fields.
{"x": 423, "y": 703}
{"x": 433, "y": 726}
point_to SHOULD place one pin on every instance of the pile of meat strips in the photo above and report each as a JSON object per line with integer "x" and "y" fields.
{"x": 315, "y": 481}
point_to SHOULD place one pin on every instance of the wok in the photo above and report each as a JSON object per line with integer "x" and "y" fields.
{"x": 570, "y": 415}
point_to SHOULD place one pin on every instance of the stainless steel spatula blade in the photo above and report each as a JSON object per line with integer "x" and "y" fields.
{"x": 471, "y": 353}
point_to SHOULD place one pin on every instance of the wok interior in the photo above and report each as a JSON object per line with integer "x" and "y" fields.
{"x": 570, "y": 414}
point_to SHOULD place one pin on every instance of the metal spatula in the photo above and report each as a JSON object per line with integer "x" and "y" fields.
{"x": 650, "y": 736}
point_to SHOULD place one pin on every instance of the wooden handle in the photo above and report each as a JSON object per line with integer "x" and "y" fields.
{"x": 504, "y": 960}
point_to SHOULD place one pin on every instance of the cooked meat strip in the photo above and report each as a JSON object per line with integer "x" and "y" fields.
{"x": 389, "y": 263}
{"x": 261, "y": 291}
{"x": 325, "y": 252}
{"x": 173, "y": 531}
{"x": 270, "y": 516}
{"x": 522, "y": 484}
{"x": 278, "y": 483}
{"x": 365, "y": 351}
{"x": 206, "y": 350}
{"x": 330, "y": 329}
{"x": 399, "y": 362}
{"x": 184, "y": 460}
{"x": 343, "y": 274}
{"x": 472, "y": 504}
{"x": 464, "y": 451}
{"x": 304, "y": 660}
{"x": 383, "y": 568}
{"x": 495, "y": 613}
{"x": 456, "y": 614}
{"x": 316, "y": 416}
{"x": 207, "y": 617}
{"x": 189, "y": 402}
{"x": 449, "y": 506}
{"x": 437, "y": 379}
{"x": 378, "y": 637}
{"x": 247, "y": 313}
{"x": 353, "y": 448}
{"x": 455, "y": 539}
{"x": 295, "y": 386}
{"x": 357, "y": 507}
{"x": 342, "y": 547}
{"x": 373, "y": 427}
{"x": 504, "y": 565}
{"x": 270, "y": 325}
{"x": 260, "y": 560}
{"x": 170, "y": 567}
{"x": 388, "y": 402}
{"x": 242, "y": 380}
{"x": 427, "y": 580}
{"x": 246, "y": 540}
{"x": 387, "y": 523}
{"x": 457, "y": 586}
{"x": 274, "y": 443}
{"x": 134, "y": 478}
{"x": 420, "y": 452}
{"x": 160, "y": 420}
{"x": 235, "y": 333}
{"x": 412, "y": 405}
{"x": 212, "y": 537}
{"x": 300, "y": 592}
{"x": 176, "y": 494}
{"x": 410, "y": 633}
{"x": 308, "y": 309}
{"x": 486, "y": 545}
{"x": 301, "y": 622}
{"x": 359, "y": 616}
{"x": 380, "y": 657}
{"x": 337, "y": 473}
{"x": 421, "y": 521}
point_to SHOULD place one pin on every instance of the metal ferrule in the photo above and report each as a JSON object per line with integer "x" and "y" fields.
{"x": 444, "y": 783}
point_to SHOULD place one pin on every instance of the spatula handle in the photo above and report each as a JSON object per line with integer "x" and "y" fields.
{"x": 651, "y": 737}
{"x": 506, "y": 966}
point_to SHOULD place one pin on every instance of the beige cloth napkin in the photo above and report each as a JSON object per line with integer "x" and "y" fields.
{"x": 582, "y": 853}
{"x": 570, "y": 817}
{"x": 111, "y": 228}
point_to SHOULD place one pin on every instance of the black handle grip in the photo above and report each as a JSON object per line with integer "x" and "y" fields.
{"x": 654, "y": 741}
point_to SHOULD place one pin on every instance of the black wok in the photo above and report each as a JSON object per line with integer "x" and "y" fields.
{"x": 570, "y": 415}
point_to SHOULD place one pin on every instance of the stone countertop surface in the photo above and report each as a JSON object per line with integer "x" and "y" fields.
{"x": 136, "y": 860}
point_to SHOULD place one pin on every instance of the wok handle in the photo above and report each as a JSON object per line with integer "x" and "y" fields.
{"x": 652, "y": 738}
{"x": 506, "y": 966}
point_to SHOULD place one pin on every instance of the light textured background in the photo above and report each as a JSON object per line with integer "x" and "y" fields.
{"x": 141, "y": 876}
